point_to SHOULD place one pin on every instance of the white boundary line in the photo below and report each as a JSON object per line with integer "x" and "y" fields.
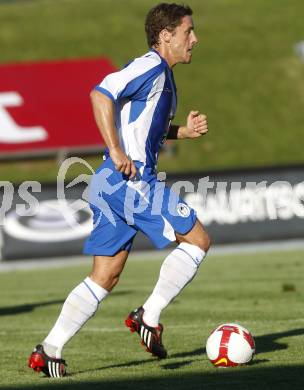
{"x": 218, "y": 250}
{"x": 123, "y": 329}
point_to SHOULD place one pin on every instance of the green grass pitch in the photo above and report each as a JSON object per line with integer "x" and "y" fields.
{"x": 264, "y": 292}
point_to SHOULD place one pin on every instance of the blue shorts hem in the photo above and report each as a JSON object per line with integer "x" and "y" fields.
{"x": 91, "y": 250}
{"x": 188, "y": 229}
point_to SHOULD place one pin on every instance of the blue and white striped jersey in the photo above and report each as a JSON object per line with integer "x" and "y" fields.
{"x": 144, "y": 95}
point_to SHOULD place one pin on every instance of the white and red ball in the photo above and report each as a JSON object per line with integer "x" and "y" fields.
{"x": 230, "y": 345}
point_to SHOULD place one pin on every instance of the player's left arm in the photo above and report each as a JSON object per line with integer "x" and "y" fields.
{"x": 197, "y": 125}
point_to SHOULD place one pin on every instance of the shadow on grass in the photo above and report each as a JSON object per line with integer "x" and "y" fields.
{"x": 13, "y": 310}
{"x": 28, "y": 307}
{"x": 265, "y": 343}
{"x": 268, "y": 342}
{"x": 243, "y": 378}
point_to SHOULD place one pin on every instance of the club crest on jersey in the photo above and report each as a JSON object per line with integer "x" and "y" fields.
{"x": 183, "y": 210}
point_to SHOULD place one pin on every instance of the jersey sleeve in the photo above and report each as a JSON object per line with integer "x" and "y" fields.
{"x": 131, "y": 80}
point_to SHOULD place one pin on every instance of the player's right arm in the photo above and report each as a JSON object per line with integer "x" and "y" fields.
{"x": 103, "y": 109}
{"x": 131, "y": 82}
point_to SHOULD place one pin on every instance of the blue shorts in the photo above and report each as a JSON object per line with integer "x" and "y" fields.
{"x": 122, "y": 207}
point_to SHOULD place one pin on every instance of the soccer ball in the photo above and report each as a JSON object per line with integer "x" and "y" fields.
{"x": 230, "y": 345}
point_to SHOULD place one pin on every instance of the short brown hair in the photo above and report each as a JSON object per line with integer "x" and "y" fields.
{"x": 162, "y": 16}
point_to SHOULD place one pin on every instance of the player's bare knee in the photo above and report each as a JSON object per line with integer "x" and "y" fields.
{"x": 202, "y": 240}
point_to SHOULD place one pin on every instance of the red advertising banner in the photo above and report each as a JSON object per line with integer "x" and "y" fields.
{"x": 46, "y": 106}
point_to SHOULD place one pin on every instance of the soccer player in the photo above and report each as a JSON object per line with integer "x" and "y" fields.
{"x": 133, "y": 109}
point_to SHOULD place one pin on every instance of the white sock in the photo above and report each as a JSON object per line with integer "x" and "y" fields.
{"x": 80, "y": 305}
{"x": 177, "y": 270}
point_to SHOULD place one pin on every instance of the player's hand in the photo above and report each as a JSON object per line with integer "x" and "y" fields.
{"x": 122, "y": 163}
{"x": 197, "y": 125}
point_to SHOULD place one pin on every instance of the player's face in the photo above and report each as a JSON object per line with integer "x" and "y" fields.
{"x": 183, "y": 40}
